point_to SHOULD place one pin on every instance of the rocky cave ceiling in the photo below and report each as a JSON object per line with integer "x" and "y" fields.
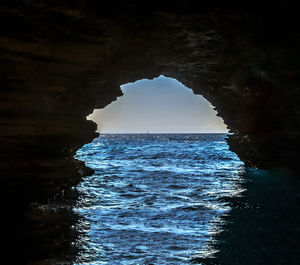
{"x": 62, "y": 59}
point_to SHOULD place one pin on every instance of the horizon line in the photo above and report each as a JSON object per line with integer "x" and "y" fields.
{"x": 164, "y": 133}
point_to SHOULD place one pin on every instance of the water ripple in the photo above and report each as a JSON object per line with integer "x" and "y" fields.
{"x": 154, "y": 199}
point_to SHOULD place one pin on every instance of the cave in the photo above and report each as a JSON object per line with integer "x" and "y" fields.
{"x": 61, "y": 60}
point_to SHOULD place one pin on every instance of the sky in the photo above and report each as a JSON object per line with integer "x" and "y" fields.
{"x": 160, "y": 105}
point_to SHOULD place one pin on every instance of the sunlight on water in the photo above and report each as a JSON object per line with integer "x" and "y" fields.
{"x": 154, "y": 199}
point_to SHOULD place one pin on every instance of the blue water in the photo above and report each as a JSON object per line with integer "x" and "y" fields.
{"x": 154, "y": 198}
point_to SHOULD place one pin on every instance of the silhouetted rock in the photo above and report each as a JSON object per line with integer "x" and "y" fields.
{"x": 60, "y": 60}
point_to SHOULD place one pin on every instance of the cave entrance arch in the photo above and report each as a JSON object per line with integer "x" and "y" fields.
{"x": 154, "y": 198}
{"x": 160, "y": 105}
{"x": 50, "y": 53}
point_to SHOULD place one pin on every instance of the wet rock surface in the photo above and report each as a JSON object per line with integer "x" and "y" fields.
{"x": 61, "y": 60}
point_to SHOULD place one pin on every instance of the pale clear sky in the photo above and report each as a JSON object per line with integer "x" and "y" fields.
{"x": 161, "y": 105}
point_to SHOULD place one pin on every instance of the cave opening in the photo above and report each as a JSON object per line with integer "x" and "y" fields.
{"x": 160, "y": 105}
{"x": 61, "y": 60}
{"x": 161, "y": 167}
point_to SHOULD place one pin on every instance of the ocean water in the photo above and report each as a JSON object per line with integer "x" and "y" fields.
{"x": 154, "y": 198}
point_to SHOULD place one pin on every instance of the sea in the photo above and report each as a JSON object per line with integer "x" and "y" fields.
{"x": 155, "y": 198}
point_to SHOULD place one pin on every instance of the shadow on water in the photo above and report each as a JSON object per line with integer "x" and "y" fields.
{"x": 263, "y": 225}
{"x": 51, "y": 231}
{"x": 261, "y": 228}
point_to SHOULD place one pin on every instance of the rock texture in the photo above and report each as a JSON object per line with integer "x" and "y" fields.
{"x": 61, "y": 59}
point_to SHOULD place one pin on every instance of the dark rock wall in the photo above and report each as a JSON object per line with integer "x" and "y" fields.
{"x": 60, "y": 60}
